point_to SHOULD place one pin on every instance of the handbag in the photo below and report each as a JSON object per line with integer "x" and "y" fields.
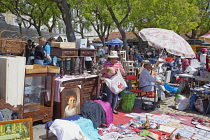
{"x": 116, "y": 84}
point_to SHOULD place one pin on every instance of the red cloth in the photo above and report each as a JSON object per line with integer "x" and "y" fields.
{"x": 169, "y": 59}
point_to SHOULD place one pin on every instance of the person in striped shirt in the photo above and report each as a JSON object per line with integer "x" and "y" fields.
{"x": 110, "y": 68}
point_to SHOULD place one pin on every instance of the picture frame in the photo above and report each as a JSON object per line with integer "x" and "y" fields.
{"x": 21, "y": 129}
{"x": 68, "y": 96}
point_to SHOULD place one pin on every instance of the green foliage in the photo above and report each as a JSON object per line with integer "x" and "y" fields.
{"x": 204, "y": 15}
{"x": 35, "y": 12}
{"x": 176, "y": 15}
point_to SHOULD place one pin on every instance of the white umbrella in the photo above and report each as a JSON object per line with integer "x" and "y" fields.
{"x": 168, "y": 39}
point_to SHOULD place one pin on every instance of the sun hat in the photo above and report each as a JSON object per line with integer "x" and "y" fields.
{"x": 113, "y": 54}
{"x": 204, "y": 50}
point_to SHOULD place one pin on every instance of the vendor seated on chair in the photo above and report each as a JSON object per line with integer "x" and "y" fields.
{"x": 147, "y": 81}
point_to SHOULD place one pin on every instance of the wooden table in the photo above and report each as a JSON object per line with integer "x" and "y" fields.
{"x": 72, "y": 54}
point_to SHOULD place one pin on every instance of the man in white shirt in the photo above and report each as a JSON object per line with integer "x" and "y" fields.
{"x": 89, "y": 60}
{"x": 147, "y": 82}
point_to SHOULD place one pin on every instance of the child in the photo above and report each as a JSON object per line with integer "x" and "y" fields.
{"x": 71, "y": 108}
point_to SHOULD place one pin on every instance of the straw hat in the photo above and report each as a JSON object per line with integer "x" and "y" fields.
{"x": 145, "y": 62}
{"x": 113, "y": 54}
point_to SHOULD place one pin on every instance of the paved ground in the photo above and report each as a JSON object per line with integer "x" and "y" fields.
{"x": 166, "y": 107}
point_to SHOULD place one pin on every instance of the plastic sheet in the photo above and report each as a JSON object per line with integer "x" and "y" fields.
{"x": 170, "y": 88}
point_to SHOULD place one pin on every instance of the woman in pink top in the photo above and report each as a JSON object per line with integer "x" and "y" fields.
{"x": 110, "y": 68}
{"x": 185, "y": 64}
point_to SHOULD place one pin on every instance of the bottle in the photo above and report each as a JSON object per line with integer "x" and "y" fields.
{"x": 146, "y": 123}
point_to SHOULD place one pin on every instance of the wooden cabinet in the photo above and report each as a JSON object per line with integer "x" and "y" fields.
{"x": 89, "y": 88}
{"x": 64, "y": 52}
{"x": 38, "y": 96}
{"x": 87, "y": 52}
{"x": 12, "y": 72}
{"x": 88, "y": 91}
{"x": 72, "y": 54}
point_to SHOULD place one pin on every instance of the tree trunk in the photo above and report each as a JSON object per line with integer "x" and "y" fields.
{"x": 38, "y": 30}
{"x": 193, "y": 36}
{"x": 139, "y": 43}
{"x": 194, "y": 33}
{"x": 119, "y": 24}
{"x": 102, "y": 39}
{"x": 67, "y": 18}
{"x": 123, "y": 34}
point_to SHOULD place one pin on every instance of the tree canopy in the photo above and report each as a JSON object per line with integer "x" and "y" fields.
{"x": 181, "y": 16}
{"x": 33, "y": 12}
{"x": 176, "y": 15}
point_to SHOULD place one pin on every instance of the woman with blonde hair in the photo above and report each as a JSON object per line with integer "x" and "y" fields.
{"x": 39, "y": 53}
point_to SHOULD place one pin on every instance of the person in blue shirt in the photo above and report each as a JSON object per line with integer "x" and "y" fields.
{"x": 49, "y": 60}
{"x": 138, "y": 57}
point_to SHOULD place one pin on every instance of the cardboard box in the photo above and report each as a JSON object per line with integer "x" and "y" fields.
{"x": 81, "y": 43}
{"x": 63, "y": 44}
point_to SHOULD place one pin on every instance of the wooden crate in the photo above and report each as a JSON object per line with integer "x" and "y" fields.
{"x": 10, "y": 45}
{"x": 30, "y": 69}
{"x": 63, "y": 44}
{"x": 53, "y": 69}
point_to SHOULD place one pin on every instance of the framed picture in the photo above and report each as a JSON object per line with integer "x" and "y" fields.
{"x": 70, "y": 101}
{"x": 16, "y": 129}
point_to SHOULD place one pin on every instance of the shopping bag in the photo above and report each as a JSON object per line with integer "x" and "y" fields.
{"x": 181, "y": 102}
{"x": 116, "y": 84}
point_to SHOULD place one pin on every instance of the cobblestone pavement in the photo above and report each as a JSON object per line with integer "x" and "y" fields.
{"x": 167, "y": 106}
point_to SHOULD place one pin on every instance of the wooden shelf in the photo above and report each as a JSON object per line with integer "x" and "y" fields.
{"x": 33, "y": 107}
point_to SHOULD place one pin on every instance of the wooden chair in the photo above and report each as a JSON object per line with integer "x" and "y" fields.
{"x": 10, "y": 112}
